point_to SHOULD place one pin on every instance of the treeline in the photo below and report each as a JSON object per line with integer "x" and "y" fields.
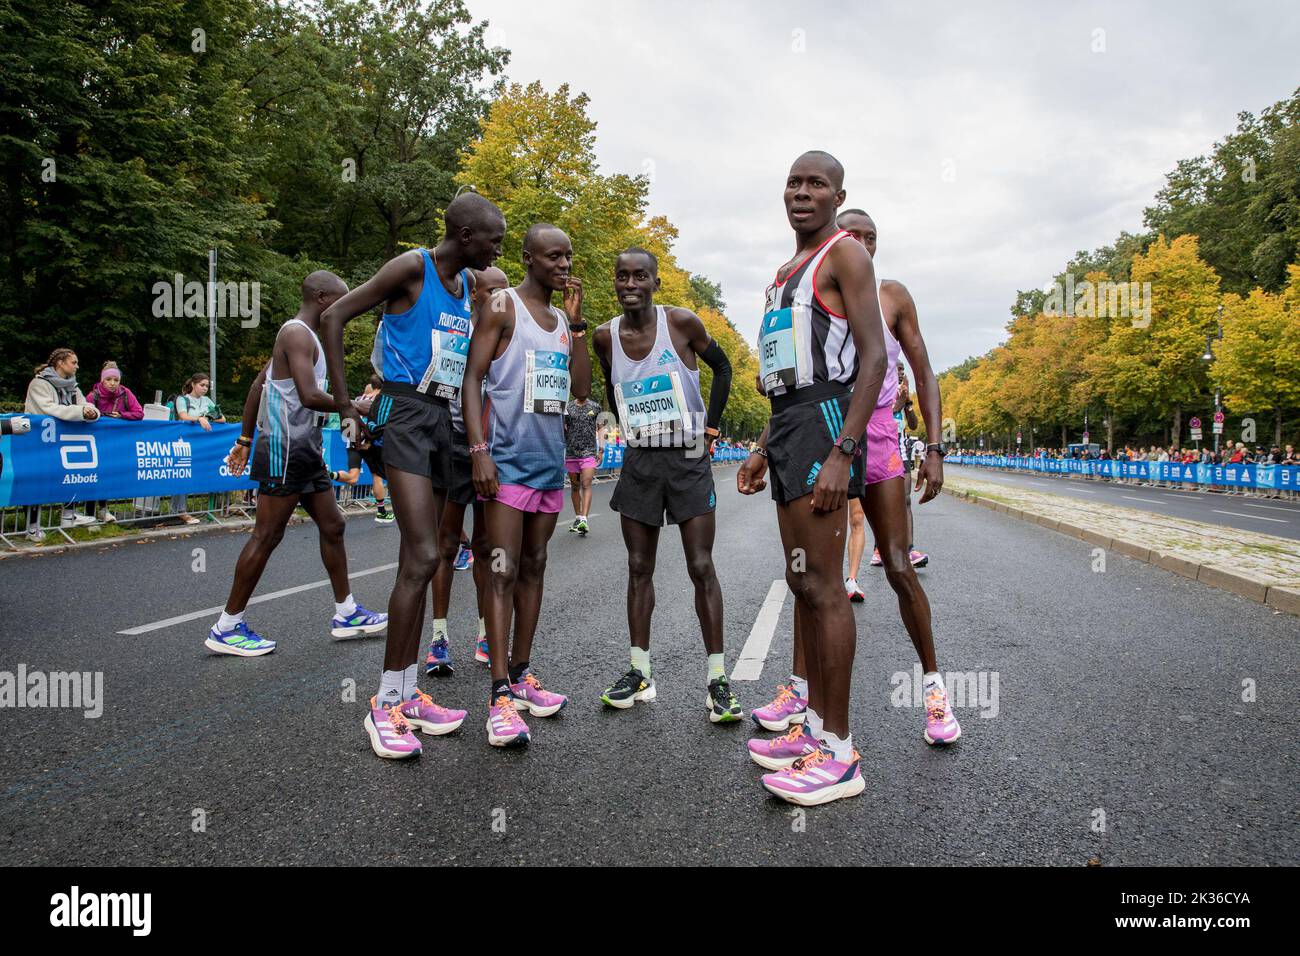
{"x": 290, "y": 137}
{"x": 1122, "y": 333}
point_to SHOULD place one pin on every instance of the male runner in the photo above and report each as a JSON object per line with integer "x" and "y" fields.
{"x": 650, "y": 355}
{"x": 288, "y": 404}
{"x": 886, "y": 512}
{"x": 521, "y": 356}
{"x": 460, "y": 496}
{"x": 582, "y": 429}
{"x": 427, "y": 306}
{"x": 905, "y": 418}
{"x": 821, "y": 326}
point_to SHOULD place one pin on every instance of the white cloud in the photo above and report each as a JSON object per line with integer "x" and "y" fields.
{"x": 1055, "y": 148}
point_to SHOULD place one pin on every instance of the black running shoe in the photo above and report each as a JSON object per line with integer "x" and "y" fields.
{"x": 630, "y": 688}
{"x": 722, "y": 703}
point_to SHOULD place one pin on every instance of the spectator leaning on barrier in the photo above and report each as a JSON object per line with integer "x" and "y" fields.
{"x": 193, "y": 404}
{"x": 53, "y": 391}
{"x": 112, "y": 398}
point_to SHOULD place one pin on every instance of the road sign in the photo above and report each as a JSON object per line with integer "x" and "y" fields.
{"x": 1085, "y": 438}
{"x": 1218, "y": 428}
{"x": 1195, "y": 423}
{"x": 1218, "y": 418}
{"x": 1196, "y": 434}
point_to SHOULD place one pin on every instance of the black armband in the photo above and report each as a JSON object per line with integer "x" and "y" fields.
{"x": 717, "y": 360}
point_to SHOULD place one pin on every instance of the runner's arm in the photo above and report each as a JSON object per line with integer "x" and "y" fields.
{"x": 908, "y": 333}
{"x": 252, "y": 402}
{"x": 602, "y": 345}
{"x": 579, "y": 357}
{"x": 493, "y": 325}
{"x": 710, "y": 352}
{"x": 295, "y": 346}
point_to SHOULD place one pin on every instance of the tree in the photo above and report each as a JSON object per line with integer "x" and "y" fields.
{"x": 1257, "y": 365}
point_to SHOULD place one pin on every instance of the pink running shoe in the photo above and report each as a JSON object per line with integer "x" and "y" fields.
{"x": 481, "y": 651}
{"x": 423, "y": 714}
{"x": 532, "y": 697}
{"x": 816, "y": 778}
{"x": 779, "y": 752}
{"x": 941, "y": 726}
{"x": 505, "y": 728}
{"x": 875, "y": 558}
{"x": 788, "y": 708}
{"x": 919, "y": 559}
{"x": 390, "y": 734}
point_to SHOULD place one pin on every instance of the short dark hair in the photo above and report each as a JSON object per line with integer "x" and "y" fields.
{"x": 836, "y": 167}
{"x": 376, "y": 381}
{"x": 853, "y": 212}
{"x": 470, "y": 210}
{"x": 535, "y": 230}
{"x": 638, "y": 251}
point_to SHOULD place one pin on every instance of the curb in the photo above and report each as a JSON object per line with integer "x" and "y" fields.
{"x": 1279, "y": 597}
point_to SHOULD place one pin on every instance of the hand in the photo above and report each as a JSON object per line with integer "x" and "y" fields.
{"x": 89, "y": 412}
{"x": 831, "y": 491}
{"x": 484, "y": 470}
{"x": 203, "y": 420}
{"x": 749, "y": 479}
{"x": 237, "y": 460}
{"x": 930, "y": 474}
{"x": 573, "y": 299}
{"x": 900, "y": 399}
{"x": 353, "y": 427}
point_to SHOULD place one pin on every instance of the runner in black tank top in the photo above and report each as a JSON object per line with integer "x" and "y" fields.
{"x": 647, "y": 354}
{"x": 808, "y": 395}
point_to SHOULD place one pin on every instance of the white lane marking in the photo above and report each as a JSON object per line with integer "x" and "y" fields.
{"x": 1154, "y": 501}
{"x": 1270, "y": 508}
{"x": 1085, "y": 491}
{"x": 209, "y": 611}
{"x": 754, "y": 653}
{"x": 1238, "y": 514}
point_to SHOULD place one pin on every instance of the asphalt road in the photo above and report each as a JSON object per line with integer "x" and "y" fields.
{"x": 1118, "y": 730}
{"x": 1275, "y": 516}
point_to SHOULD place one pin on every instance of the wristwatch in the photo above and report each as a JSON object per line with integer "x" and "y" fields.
{"x": 578, "y": 326}
{"x": 847, "y": 445}
{"x": 246, "y": 442}
{"x": 936, "y": 446}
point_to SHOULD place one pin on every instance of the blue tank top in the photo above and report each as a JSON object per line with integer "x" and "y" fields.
{"x": 427, "y": 345}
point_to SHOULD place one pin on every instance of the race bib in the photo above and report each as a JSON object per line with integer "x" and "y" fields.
{"x": 778, "y": 355}
{"x": 651, "y": 406}
{"x": 449, "y": 352}
{"x": 546, "y": 382}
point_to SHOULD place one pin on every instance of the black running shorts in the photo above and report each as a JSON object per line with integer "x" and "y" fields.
{"x": 654, "y": 482}
{"x": 801, "y": 434}
{"x": 461, "y": 490}
{"x": 417, "y": 437}
{"x": 307, "y": 486}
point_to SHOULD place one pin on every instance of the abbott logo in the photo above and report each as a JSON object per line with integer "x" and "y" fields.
{"x": 103, "y": 909}
{"x": 78, "y": 445}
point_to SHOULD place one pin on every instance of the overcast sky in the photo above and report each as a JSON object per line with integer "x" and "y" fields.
{"x": 989, "y": 142}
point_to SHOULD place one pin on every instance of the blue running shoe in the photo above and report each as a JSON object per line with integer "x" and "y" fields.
{"x": 439, "y": 660}
{"x": 358, "y": 622}
{"x": 464, "y": 559}
{"x": 242, "y": 641}
{"x": 481, "y": 651}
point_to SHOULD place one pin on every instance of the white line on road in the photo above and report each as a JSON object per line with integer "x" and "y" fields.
{"x": 209, "y": 611}
{"x": 1154, "y": 501}
{"x": 754, "y": 653}
{"x": 1238, "y": 514}
{"x": 1269, "y": 508}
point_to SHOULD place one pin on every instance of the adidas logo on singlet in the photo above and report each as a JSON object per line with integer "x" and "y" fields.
{"x": 667, "y": 358}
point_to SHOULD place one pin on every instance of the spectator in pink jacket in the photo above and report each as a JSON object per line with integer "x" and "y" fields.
{"x": 112, "y": 398}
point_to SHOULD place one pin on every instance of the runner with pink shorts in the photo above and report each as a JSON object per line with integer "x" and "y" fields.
{"x": 520, "y": 354}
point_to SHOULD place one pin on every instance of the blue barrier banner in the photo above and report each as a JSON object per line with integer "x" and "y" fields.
{"x": 1280, "y": 477}
{"x": 109, "y": 459}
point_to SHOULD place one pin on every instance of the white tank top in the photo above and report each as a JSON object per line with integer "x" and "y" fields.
{"x": 658, "y": 397}
{"x": 289, "y": 432}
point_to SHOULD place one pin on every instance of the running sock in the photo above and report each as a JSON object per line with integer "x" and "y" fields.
{"x": 800, "y": 685}
{"x": 933, "y": 679}
{"x": 228, "y": 621}
{"x": 814, "y": 723}
{"x": 409, "y": 686}
{"x": 842, "y": 749}
{"x": 482, "y": 629}
{"x": 390, "y": 689}
{"x": 717, "y": 667}
{"x": 439, "y": 628}
{"x": 346, "y": 608}
{"x": 499, "y": 688}
{"x": 517, "y": 671}
{"x": 641, "y": 661}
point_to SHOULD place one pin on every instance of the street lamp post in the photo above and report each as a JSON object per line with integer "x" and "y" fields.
{"x": 1209, "y": 357}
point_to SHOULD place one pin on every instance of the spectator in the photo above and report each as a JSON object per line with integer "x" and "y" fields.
{"x": 194, "y": 405}
{"x": 112, "y": 398}
{"x": 53, "y": 391}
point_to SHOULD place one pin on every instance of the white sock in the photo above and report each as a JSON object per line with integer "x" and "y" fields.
{"x": 842, "y": 749}
{"x": 932, "y": 679}
{"x": 851, "y": 582}
{"x": 439, "y": 628}
{"x": 582, "y": 517}
{"x": 717, "y": 664}
{"x": 814, "y": 723}
{"x": 482, "y": 629}
{"x": 408, "y": 683}
{"x": 390, "y": 688}
{"x": 228, "y": 621}
{"x": 800, "y": 685}
{"x": 345, "y": 608}
{"x": 641, "y": 661}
